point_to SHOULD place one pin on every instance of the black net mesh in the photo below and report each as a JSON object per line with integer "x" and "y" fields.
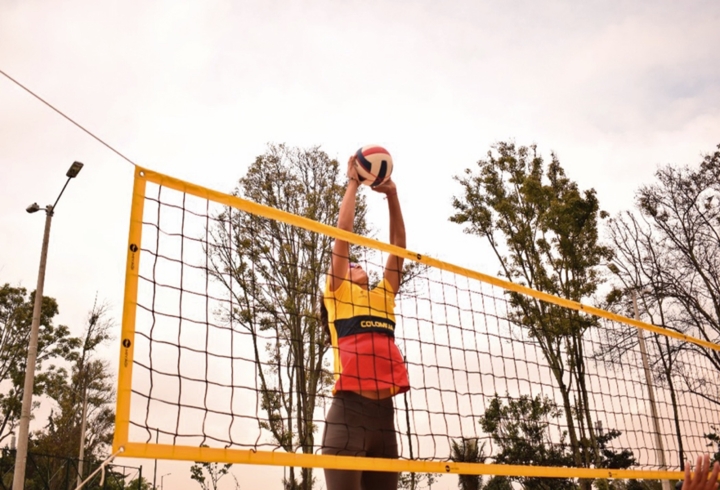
{"x": 230, "y": 352}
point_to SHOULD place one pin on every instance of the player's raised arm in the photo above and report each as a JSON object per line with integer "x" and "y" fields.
{"x": 394, "y": 265}
{"x": 699, "y": 480}
{"x": 346, "y": 219}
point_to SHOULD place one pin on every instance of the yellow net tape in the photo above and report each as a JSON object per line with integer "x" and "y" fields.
{"x": 177, "y": 349}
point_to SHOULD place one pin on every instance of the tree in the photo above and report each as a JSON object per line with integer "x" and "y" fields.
{"x": 139, "y": 484}
{"x": 54, "y": 342}
{"x": 544, "y": 232}
{"x": 636, "y": 260}
{"x": 273, "y": 271}
{"x": 208, "y": 475}
{"x": 611, "y": 458}
{"x": 417, "y": 481}
{"x": 468, "y": 451}
{"x": 714, "y": 442}
{"x": 117, "y": 480}
{"x": 683, "y": 207}
{"x": 7, "y": 466}
{"x": 642, "y": 485}
{"x": 668, "y": 252}
{"x": 522, "y": 431}
{"x": 87, "y": 378}
{"x": 498, "y": 483}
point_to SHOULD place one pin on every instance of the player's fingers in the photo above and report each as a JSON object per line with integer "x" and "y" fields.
{"x": 714, "y": 476}
{"x": 705, "y": 466}
{"x": 352, "y": 167}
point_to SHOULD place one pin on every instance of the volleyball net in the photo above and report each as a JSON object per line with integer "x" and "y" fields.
{"x": 223, "y": 357}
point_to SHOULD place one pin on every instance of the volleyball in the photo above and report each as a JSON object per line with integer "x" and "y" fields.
{"x": 374, "y": 165}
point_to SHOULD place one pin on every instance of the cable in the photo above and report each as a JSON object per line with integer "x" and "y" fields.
{"x": 67, "y": 117}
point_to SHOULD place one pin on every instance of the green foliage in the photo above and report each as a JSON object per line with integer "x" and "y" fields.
{"x": 208, "y": 475}
{"x": 609, "y": 457}
{"x": 116, "y": 480}
{"x": 468, "y": 451}
{"x": 522, "y": 431}
{"x": 276, "y": 272}
{"x": 525, "y": 431}
{"x": 549, "y": 227}
{"x": 544, "y": 232}
{"x": 636, "y": 485}
{"x": 139, "y": 484}
{"x": 498, "y": 483}
{"x": 417, "y": 481}
{"x": 7, "y": 466}
{"x": 48, "y": 472}
{"x": 67, "y": 387}
{"x": 54, "y": 343}
{"x": 714, "y": 438}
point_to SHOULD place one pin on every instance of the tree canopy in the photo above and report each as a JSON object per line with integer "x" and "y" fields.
{"x": 667, "y": 253}
{"x": 277, "y": 271}
{"x": 54, "y": 343}
{"x": 544, "y": 232}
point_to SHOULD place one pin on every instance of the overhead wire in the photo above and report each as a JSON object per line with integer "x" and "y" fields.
{"x": 90, "y": 133}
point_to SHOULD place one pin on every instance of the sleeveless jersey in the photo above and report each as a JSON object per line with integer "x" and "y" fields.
{"x": 362, "y": 330}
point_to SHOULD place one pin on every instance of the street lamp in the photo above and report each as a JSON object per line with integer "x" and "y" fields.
{"x": 22, "y": 443}
{"x": 162, "y": 484}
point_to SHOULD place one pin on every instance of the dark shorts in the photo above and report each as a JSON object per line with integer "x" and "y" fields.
{"x": 359, "y": 426}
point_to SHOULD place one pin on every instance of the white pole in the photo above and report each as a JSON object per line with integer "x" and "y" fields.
{"x": 83, "y": 425}
{"x": 651, "y": 394}
{"x": 162, "y": 480}
{"x": 157, "y": 436}
{"x": 22, "y": 448}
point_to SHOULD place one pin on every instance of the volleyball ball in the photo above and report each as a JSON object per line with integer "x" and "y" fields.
{"x": 374, "y": 165}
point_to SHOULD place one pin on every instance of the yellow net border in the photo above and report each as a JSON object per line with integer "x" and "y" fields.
{"x": 172, "y": 452}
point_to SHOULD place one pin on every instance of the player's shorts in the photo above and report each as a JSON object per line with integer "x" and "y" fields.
{"x": 359, "y": 426}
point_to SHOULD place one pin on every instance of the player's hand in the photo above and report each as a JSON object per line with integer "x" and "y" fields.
{"x": 388, "y": 187}
{"x": 352, "y": 169}
{"x": 699, "y": 480}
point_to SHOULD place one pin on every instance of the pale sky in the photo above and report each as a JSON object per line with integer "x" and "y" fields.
{"x": 197, "y": 89}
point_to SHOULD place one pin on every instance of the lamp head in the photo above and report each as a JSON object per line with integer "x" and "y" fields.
{"x": 74, "y": 170}
{"x": 33, "y": 208}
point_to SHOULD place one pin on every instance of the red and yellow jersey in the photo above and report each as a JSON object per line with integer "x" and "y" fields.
{"x": 362, "y": 330}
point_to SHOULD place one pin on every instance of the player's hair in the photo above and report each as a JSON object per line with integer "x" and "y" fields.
{"x": 324, "y": 319}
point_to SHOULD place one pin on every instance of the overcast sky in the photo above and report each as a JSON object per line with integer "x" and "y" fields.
{"x": 197, "y": 89}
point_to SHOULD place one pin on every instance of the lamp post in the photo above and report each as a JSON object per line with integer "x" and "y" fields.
{"x": 651, "y": 394}
{"x": 162, "y": 482}
{"x": 157, "y": 436}
{"x": 83, "y": 425}
{"x": 23, "y": 430}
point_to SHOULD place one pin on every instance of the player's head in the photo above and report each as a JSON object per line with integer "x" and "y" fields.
{"x": 357, "y": 274}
